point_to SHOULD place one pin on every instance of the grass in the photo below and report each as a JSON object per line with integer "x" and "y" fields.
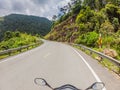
{"x": 110, "y": 66}
{"x": 3, "y": 56}
{"x": 104, "y": 62}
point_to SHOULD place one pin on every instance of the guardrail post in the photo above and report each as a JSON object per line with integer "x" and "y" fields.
{"x": 9, "y": 53}
{"x": 36, "y": 45}
{"x": 28, "y": 48}
{"x": 83, "y": 49}
{"x": 32, "y": 46}
{"x": 90, "y": 53}
{"x": 20, "y": 49}
{"x": 101, "y": 59}
{"x": 119, "y": 70}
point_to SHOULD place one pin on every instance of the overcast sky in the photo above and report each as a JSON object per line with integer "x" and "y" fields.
{"x": 42, "y": 8}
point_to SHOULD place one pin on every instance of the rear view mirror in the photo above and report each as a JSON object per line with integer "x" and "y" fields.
{"x": 98, "y": 86}
{"x": 40, "y": 81}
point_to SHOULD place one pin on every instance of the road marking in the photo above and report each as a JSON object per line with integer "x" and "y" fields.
{"x": 48, "y": 54}
{"x": 93, "y": 72}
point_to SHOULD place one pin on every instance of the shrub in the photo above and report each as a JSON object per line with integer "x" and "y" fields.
{"x": 107, "y": 41}
{"x": 112, "y": 11}
{"x": 115, "y": 23}
{"x": 88, "y": 39}
{"x": 8, "y": 35}
{"x": 106, "y": 28}
{"x": 17, "y": 34}
{"x": 76, "y": 9}
{"x": 16, "y": 39}
{"x": 84, "y": 15}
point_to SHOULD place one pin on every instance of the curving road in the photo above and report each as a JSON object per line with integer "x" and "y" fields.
{"x": 56, "y": 62}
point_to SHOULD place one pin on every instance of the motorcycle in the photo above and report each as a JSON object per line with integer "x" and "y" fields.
{"x": 94, "y": 86}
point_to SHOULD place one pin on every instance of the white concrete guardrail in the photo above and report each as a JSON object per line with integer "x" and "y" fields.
{"x": 10, "y": 51}
{"x": 101, "y": 55}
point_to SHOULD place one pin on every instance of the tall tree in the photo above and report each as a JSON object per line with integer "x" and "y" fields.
{"x": 76, "y": 6}
{"x": 8, "y": 35}
{"x": 90, "y": 3}
{"x": 54, "y": 17}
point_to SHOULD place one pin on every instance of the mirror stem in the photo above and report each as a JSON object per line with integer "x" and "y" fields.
{"x": 49, "y": 86}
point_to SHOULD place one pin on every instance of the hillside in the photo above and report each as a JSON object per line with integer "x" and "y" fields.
{"x": 24, "y": 23}
{"x": 95, "y": 24}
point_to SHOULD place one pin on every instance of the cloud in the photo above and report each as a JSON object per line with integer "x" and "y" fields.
{"x": 43, "y": 8}
{"x": 41, "y": 2}
{"x": 4, "y": 4}
{"x": 18, "y": 6}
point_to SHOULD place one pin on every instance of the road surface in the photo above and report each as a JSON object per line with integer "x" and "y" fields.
{"x": 58, "y": 63}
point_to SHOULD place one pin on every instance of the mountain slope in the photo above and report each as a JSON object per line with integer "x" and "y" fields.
{"x": 24, "y": 23}
{"x": 65, "y": 31}
{"x": 94, "y": 26}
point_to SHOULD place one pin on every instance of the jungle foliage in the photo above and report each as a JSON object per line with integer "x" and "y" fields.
{"x": 87, "y": 21}
{"x": 16, "y": 39}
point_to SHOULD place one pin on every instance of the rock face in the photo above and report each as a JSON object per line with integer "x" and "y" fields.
{"x": 110, "y": 52}
{"x": 66, "y": 31}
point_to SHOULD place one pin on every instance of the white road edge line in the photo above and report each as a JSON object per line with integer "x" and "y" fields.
{"x": 93, "y": 72}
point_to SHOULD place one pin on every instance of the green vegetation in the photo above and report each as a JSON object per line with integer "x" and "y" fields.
{"x": 16, "y": 39}
{"x": 26, "y": 24}
{"x": 94, "y": 23}
{"x": 89, "y": 39}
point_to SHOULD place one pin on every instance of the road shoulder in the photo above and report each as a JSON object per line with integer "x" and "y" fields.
{"x": 111, "y": 80}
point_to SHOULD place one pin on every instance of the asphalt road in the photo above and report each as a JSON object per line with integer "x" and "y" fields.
{"x": 58, "y": 63}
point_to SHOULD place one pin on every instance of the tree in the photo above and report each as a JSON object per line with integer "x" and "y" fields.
{"x": 116, "y": 2}
{"x": 112, "y": 11}
{"x": 85, "y": 15}
{"x": 76, "y": 8}
{"x": 64, "y": 9}
{"x": 69, "y": 7}
{"x": 115, "y": 24}
{"x": 54, "y": 17}
{"x": 106, "y": 28}
{"x": 8, "y": 35}
{"x": 89, "y": 39}
{"x": 99, "y": 4}
{"x": 76, "y": 2}
{"x": 17, "y": 34}
{"x": 90, "y": 3}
